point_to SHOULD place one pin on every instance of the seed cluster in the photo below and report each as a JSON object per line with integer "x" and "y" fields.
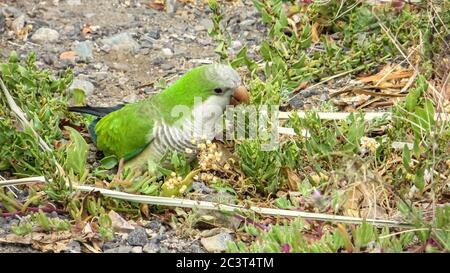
{"x": 174, "y": 182}
{"x": 368, "y": 144}
{"x": 210, "y": 159}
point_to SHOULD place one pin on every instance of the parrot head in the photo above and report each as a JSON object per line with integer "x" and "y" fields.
{"x": 225, "y": 82}
{"x": 206, "y": 90}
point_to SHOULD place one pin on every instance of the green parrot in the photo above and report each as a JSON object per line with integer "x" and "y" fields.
{"x": 173, "y": 120}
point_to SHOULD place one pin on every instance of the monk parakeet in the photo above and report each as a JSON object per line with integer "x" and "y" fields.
{"x": 174, "y": 119}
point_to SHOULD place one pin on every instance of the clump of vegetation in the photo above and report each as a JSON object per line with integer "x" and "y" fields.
{"x": 339, "y": 164}
{"x": 42, "y": 221}
{"x": 43, "y": 98}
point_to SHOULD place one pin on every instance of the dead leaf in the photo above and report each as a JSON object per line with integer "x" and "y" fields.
{"x": 301, "y": 86}
{"x": 386, "y": 74}
{"x": 67, "y": 55}
{"x": 118, "y": 223}
{"x": 16, "y": 239}
{"x": 347, "y": 241}
{"x": 293, "y": 179}
{"x": 215, "y": 231}
{"x": 46, "y": 242}
{"x": 88, "y": 231}
{"x": 314, "y": 33}
{"x": 22, "y": 34}
{"x": 87, "y": 30}
{"x": 351, "y": 101}
{"x": 352, "y": 204}
{"x": 94, "y": 249}
{"x": 145, "y": 210}
{"x": 156, "y": 5}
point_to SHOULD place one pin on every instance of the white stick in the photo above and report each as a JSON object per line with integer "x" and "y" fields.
{"x": 343, "y": 115}
{"x": 397, "y": 145}
{"x": 21, "y": 181}
{"x": 187, "y": 203}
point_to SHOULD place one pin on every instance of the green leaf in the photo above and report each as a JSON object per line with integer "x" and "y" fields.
{"x": 364, "y": 234}
{"x": 79, "y": 97}
{"x": 406, "y": 158}
{"x": 419, "y": 180}
{"x": 109, "y": 162}
{"x": 283, "y": 203}
{"x": 265, "y": 51}
{"x": 77, "y": 152}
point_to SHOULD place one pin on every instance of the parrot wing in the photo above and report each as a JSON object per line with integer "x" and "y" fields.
{"x": 126, "y": 132}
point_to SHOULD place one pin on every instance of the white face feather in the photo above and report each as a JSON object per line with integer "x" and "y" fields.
{"x": 224, "y": 75}
{"x": 227, "y": 79}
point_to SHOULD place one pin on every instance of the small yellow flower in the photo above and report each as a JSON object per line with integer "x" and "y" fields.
{"x": 315, "y": 178}
{"x": 409, "y": 177}
{"x": 182, "y": 189}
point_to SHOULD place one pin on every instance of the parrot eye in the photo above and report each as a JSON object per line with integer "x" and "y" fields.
{"x": 218, "y": 90}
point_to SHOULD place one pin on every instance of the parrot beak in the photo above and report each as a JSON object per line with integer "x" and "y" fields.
{"x": 240, "y": 96}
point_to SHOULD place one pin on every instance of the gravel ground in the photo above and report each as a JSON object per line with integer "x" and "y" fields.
{"x": 127, "y": 45}
{"x": 120, "y": 46}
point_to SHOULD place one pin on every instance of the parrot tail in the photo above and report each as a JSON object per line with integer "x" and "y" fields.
{"x": 95, "y": 111}
{"x": 99, "y": 112}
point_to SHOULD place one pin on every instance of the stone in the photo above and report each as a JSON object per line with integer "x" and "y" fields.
{"x": 157, "y": 61}
{"x": 153, "y": 225}
{"x": 130, "y": 98}
{"x": 73, "y": 247}
{"x": 199, "y": 28}
{"x": 18, "y": 23}
{"x": 84, "y": 51}
{"x": 137, "y": 237}
{"x": 204, "y": 42}
{"x": 121, "y": 42}
{"x": 48, "y": 59}
{"x": 216, "y": 243}
{"x": 171, "y": 6}
{"x": 181, "y": 51}
{"x": 45, "y": 35}
{"x": 2, "y": 23}
{"x": 158, "y": 238}
{"x": 154, "y": 34}
{"x": 120, "y": 67}
{"x": 145, "y": 51}
{"x": 167, "y": 66}
{"x": 167, "y": 52}
{"x": 164, "y": 250}
{"x": 150, "y": 248}
{"x": 200, "y": 187}
{"x": 101, "y": 75}
{"x": 236, "y": 45}
{"x": 84, "y": 85}
{"x": 74, "y": 2}
{"x": 11, "y": 12}
{"x": 136, "y": 249}
{"x": 120, "y": 249}
{"x": 247, "y": 23}
{"x": 206, "y": 23}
